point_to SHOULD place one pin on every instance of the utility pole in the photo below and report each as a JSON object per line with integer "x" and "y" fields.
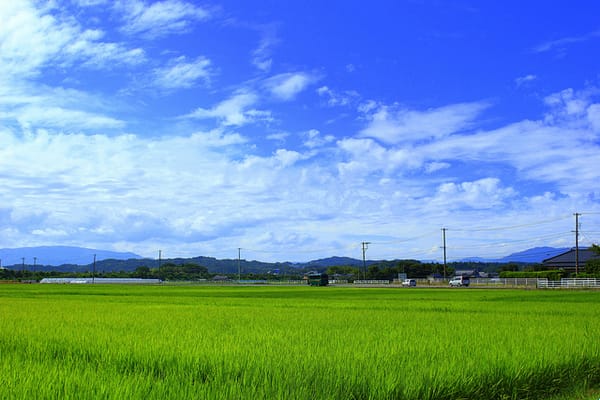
{"x": 577, "y": 243}
{"x": 365, "y": 246}
{"x": 94, "y": 270}
{"x": 239, "y": 265}
{"x": 23, "y": 263}
{"x": 444, "y": 247}
{"x": 159, "y": 259}
{"x": 34, "y": 263}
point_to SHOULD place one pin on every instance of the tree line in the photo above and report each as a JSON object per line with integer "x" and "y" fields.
{"x": 380, "y": 270}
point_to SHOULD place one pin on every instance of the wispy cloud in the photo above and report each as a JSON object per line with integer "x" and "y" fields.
{"x": 234, "y": 111}
{"x": 58, "y": 117}
{"x": 287, "y": 86}
{"x": 564, "y": 42}
{"x": 553, "y": 150}
{"x": 393, "y": 124}
{"x": 262, "y": 55}
{"x": 180, "y": 74}
{"x": 160, "y": 18}
{"x": 524, "y": 79}
{"x": 33, "y": 106}
{"x": 313, "y": 139}
{"x": 335, "y": 98}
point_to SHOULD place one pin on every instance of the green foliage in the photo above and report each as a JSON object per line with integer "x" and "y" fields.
{"x": 592, "y": 267}
{"x": 509, "y": 267}
{"x": 142, "y": 272}
{"x": 413, "y": 268}
{"x": 187, "y": 271}
{"x": 553, "y": 275}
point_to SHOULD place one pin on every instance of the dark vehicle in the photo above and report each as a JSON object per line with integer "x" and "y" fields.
{"x": 317, "y": 279}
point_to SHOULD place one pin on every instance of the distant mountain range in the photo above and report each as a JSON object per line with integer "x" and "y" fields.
{"x": 66, "y": 258}
{"x": 534, "y": 255}
{"x": 58, "y": 255}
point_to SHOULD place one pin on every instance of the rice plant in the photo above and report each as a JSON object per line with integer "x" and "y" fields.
{"x": 201, "y": 342}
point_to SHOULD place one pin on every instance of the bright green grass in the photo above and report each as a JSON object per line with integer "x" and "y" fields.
{"x": 197, "y": 342}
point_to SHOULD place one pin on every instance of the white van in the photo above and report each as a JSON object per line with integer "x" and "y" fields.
{"x": 459, "y": 281}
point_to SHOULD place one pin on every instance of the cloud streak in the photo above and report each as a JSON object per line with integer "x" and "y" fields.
{"x": 158, "y": 19}
{"x": 393, "y": 124}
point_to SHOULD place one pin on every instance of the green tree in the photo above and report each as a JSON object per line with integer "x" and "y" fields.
{"x": 592, "y": 267}
{"x": 142, "y": 272}
{"x": 510, "y": 267}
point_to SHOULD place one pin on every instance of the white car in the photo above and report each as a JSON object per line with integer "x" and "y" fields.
{"x": 459, "y": 281}
{"x": 409, "y": 283}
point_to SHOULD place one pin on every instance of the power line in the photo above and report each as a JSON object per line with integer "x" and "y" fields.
{"x": 512, "y": 226}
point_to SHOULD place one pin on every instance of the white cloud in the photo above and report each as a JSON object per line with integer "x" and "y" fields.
{"x": 160, "y": 18}
{"x": 278, "y": 136}
{"x": 392, "y": 124}
{"x": 29, "y": 38}
{"x": 180, "y": 74}
{"x": 90, "y": 3}
{"x": 524, "y": 79}
{"x": 562, "y": 150}
{"x": 101, "y": 54}
{"x": 262, "y": 55}
{"x": 33, "y": 105}
{"x": 593, "y": 116}
{"x": 65, "y": 118}
{"x": 335, "y": 98}
{"x": 481, "y": 194}
{"x": 287, "y": 86}
{"x": 32, "y": 38}
{"x": 366, "y": 156}
{"x": 234, "y": 111}
{"x": 436, "y": 166}
{"x": 313, "y": 139}
{"x": 568, "y": 102}
{"x": 118, "y": 180}
{"x": 564, "y": 42}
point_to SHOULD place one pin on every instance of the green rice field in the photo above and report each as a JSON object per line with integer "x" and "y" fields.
{"x": 263, "y": 342}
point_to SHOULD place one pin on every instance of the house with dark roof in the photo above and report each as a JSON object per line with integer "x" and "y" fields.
{"x": 567, "y": 260}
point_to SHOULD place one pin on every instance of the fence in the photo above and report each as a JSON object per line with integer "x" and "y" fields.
{"x": 505, "y": 282}
{"x": 569, "y": 283}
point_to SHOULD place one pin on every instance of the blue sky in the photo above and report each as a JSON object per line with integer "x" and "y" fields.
{"x": 296, "y": 131}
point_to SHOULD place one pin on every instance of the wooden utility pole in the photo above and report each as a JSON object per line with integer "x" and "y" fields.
{"x": 577, "y": 243}
{"x": 239, "y": 264}
{"x": 365, "y": 246}
{"x": 444, "y": 247}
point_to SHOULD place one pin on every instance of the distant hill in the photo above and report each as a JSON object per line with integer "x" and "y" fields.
{"x": 332, "y": 261}
{"x": 78, "y": 259}
{"x": 533, "y": 255}
{"x": 59, "y": 255}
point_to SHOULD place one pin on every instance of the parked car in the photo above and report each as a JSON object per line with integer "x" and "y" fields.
{"x": 459, "y": 281}
{"x": 409, "y": 283}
